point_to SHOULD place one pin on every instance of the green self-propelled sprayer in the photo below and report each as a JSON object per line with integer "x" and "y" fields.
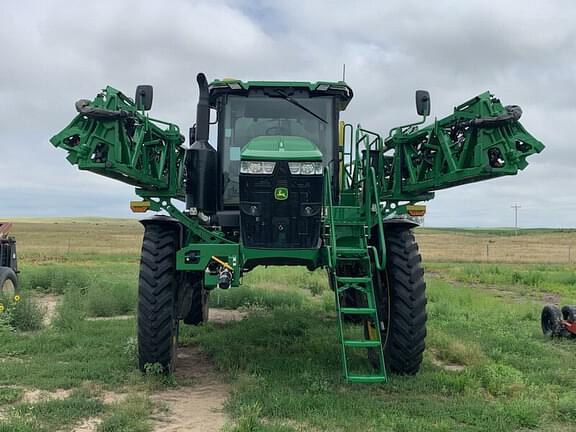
{"x": 290, "y": 184}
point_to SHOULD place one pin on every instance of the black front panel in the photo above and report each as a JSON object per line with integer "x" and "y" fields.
{"x": 8, "y": 253}
{"x": 269, "y": 221}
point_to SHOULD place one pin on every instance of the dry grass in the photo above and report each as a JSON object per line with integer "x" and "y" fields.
{"x": 82, "y": 235}
{"x": 497, "y": 246}
{"x": 57, "y": 237}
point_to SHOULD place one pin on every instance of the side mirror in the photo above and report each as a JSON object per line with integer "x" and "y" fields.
{"x": 423, "y": 102}
{"x": 143, "y": 97}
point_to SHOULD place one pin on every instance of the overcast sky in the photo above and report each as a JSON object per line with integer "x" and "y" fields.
{"x": 524, "y": 51}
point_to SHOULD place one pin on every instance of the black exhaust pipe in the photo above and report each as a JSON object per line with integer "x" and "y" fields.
{"x": 202, "y": 160}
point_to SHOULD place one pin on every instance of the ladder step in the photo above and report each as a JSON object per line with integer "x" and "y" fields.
{"x": 358, "y": 311}
{"x": 350, "y": 223}
{"x": 348, "y": 279}
{"x": 366, "y": 378}
{"x": 362, "y": 343}
{"x": 351, "y": 251}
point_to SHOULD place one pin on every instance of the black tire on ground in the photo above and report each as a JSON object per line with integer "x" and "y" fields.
{"x": 551, "y": 321}
{"x": 401, "y": 302}
{"x": 197, "y": 312}
{"x": 157, "y": 297}
{"x": 8, "y": 282}
{"x": 569, "y": 313}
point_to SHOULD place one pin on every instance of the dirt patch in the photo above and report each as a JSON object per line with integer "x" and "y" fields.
{"x": 194, "y": 408}
{"x": 35, "y": 396}
{"x": 447, "y": 366}
{"x": 50, "y": 302}
{"x": 109, "y": 397}
{"x": 88, "y": 425}
{"x": 450, "y": 367}
{"x": 197, "y": 407}
{"x": 550, "y": 298}
{"x": 221, "y": 316}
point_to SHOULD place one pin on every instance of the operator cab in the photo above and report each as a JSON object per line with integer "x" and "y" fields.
{"x": 247, "y": 110}
{"x": 274, "y": 139}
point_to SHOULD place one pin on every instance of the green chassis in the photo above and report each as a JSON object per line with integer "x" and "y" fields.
{"x": 380, "y": 181}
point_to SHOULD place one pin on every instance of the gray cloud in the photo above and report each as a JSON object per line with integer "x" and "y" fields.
{"x": 54, "y": 53}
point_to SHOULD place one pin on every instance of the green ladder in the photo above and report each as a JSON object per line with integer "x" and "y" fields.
{"x": 346, "y": 236}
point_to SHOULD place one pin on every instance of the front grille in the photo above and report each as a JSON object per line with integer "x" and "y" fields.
{"x": 268, "y": 222}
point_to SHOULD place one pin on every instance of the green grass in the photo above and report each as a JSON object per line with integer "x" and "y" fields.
{"x": 283, "y": 360}
{"x": 52, "y": 414}
{"x": 524, "y": 279}
{"x": 285, "y": 365}
{"x": 10, "y": 395}
{"x": 128, "y": 416}
{"x": 257, "y": 298}
{"x": 90, "y": 351}
{"x": 288, "y": 278}
{"x": 106, "y": 288}
{"x": 96, "y": 352}
{"x": 23, "y": 314}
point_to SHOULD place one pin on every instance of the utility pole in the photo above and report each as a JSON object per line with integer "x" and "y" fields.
{"x": 516, "y": 207}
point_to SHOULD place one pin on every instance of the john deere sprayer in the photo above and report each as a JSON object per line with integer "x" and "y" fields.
{"x": 289, "y": 184}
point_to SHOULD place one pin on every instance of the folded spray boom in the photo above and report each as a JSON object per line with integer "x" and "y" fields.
{"x": 112, "y": 137}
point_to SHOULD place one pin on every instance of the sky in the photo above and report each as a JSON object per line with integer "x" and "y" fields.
{"x": 524, "y": 51}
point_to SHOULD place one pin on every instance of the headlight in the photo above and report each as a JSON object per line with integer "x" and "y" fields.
{"x": 257, "y": 167}
{"x": 305, "y": 168}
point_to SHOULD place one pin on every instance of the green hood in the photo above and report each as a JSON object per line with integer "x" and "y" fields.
{"x": 275, "y": 147}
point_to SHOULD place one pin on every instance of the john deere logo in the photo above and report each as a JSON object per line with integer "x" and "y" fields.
{"x": 281, "y": 193}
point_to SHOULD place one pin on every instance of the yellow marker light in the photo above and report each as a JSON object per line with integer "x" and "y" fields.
{"x": 416, "y": 210}
{"x": 17, "y": 298}
{"x": 139, "y": 206}
{"x": 1, "y": 308}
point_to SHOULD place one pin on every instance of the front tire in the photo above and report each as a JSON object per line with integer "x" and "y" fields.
{"x": 157, "y": 318}
{"x": 401, "y": 301}
{"x": 197, "y": 312}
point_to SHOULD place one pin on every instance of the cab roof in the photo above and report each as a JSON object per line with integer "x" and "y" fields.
{"x": 319, "y": 88}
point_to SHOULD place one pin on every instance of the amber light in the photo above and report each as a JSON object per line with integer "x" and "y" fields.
{"x": 416, "y": 210}
{"x": 139, "y": 206}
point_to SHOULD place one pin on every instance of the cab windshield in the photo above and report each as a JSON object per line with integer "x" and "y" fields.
{"x": 246, "y": 118}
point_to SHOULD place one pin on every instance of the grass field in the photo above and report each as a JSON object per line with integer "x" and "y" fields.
{"x": 486, "y": 367}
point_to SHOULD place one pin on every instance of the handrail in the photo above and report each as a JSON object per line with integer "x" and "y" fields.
{"x": 380, "y": 261}
{"x": 329, "y": 216}
{"x": 371, "y": 193}
{"x": 347, "y": 155}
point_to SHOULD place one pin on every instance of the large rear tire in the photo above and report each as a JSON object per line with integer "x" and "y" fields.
{"x": 197, "y": 312}
{"x": 157, "y": 298}
{"x": 401, "y": 301}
